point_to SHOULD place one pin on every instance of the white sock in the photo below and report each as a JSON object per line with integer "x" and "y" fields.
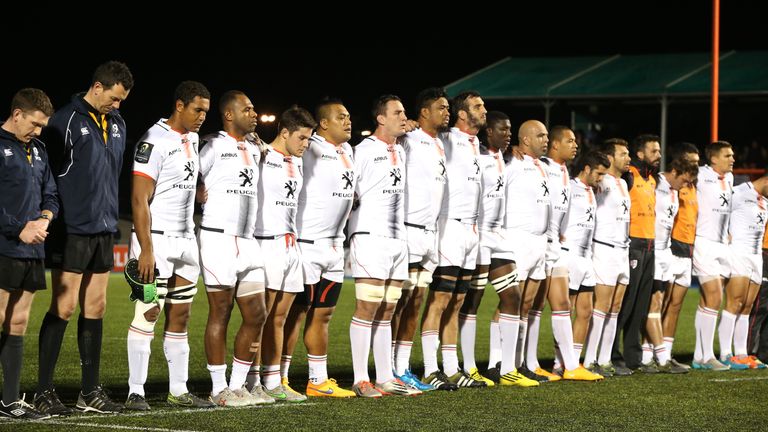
{"x": 402, "y": 356}
{"x": 740, "y": 335}
{"x": 558, "y": 364}
{"x": 669, "y": 342}
{"x": 176, "y": 347}
{"x": 725, "y": 333}
{"x": 139, "y": 349}
{"x": 708, "y": 321}
{"x": 593, "y": 338}
{"x": 218, "y": 378}
{"x": 522, "y": 333}
{"x": 254, "y": 378}
{"x": 382, "y": 350}
{"x": 577, "y": 348}
{"x": 532, "y": 345}
{"x": 360, "y": 342}
{"x": 698, "y": 356}
{"x": 430, "y": 341}
{"x": 561, "y": 327}
{"x": 647, "y": 353}
{"x": 285, "y": 365}
{"x": 270, "y": 376}
{"x": 609, "y": 334}
{"x": 467, "y": 333}
{"x": 494, "y": 355}
{"x": 240, "y": 369}
{"x": 450, "y": 359}
{"x": 662, "y": 355}
{"x": 318, "y": 368}
{"x": 509, "y": 326}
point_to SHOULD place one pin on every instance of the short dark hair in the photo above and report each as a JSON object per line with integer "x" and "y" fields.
{"x": 295, "y": 118}
{"x": 494, "y": 117}
{"x": 29, "y": 100}
{"x": 715, "y": 148}
{"x": 427, "y": 96}
{"x": 591, "y": 159}
{"x": 557, "y": 132}
{"x": 322, "y": 110}
{"x": 111, "y": 73}
{"x": 682, "y": 149}
{"x": 638, "y": 144}
{"x": 380, "y": 106}
{"x": 459, "y": 102}
{"x": 683, "y": 166}
{"x": 608, "y": 147}
{"x": 187, "y": 91}
{"x": 227, "y": 98}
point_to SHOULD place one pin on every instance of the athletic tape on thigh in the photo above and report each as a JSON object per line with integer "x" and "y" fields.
{"x": 181, "y": 294}
{"x": 560, "y": 272}
{"x": 392, "y": 294}
{"x": 425, "y": 278}
{"x": 654, "y": 315}
{"x": 479, "y": 281}
{"x": 508, "y": 280}
{"x": 369, "y": 292}
{"x": 249, "y": 288}
{"x": 413, "y": 279}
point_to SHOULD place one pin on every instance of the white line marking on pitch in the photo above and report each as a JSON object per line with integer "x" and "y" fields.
{"x": 738, "y": 379}
{"x": 100, "y": 425}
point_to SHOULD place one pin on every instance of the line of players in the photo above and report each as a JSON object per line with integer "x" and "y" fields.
{"x": 430, "y": 208}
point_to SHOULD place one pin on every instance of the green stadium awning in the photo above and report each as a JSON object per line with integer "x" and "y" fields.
{"x": 617, "y": 77}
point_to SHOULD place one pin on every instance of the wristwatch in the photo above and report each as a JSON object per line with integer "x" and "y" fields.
{"x": 45, "y": 216}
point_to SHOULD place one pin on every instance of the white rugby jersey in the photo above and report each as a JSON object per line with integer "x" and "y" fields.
{"x": 713, "y": 193}
{"x": 493, "y": 196}
{"x": 613, "y": 204}
{"x": 748, "y": 216}
{"x": 560, "y": 193}
{"x": 230, "y": 171}
{"x": 426, "y": 179}
{"x": 170, "y": 159}
{"x": 380, "y": 171}
{"x": 329, "y": 187}
{"x": 279, "y": 187}
{"x": 579, "y": 221}
{"x": 527, "y": 195}
{"x": 667, "y": 204}
{"x": 463, "y": 188}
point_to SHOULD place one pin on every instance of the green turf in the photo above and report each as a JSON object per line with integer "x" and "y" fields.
{"x": 697, "y": 401}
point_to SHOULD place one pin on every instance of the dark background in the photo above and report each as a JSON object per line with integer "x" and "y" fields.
{"x": 297, "y": 56}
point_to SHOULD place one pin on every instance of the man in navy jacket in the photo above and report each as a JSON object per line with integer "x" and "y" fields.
{"x": 91, "y": 135}
{"x": 27, "y": 205}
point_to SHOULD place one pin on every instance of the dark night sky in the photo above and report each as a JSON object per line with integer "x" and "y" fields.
{"x": 306, "y": 60}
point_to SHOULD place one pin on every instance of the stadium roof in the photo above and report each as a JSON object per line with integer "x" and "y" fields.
{"x": 618, "y": 76}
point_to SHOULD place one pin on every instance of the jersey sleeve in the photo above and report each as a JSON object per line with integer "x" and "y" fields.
{"x": 207, "y": 156}
{"x": 147, "y": 160}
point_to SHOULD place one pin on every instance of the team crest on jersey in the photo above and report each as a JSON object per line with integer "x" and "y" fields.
{"x": 115, "y": 131}
{"x": 189, "y": 168}
{"x": 143, "y": 151}
{"x": 290, "y": 187}
{"x": 633, "y": 264}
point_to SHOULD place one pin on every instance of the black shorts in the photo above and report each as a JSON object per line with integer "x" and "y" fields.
{"x": 78, "y": 253}
{"x": 320, "y": 295}
{"x": 27, "y": 274}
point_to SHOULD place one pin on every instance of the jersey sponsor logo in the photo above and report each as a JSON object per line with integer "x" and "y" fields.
{"x": 347, "y": 177}
{"x": 115, "y": 131}
{"x": 477, "y": 166}
{"x": 723, "y": 200}
{"x": 378, "y": 159}
{"x": 760, "y": 219}
{"x": 143, "y": 151}
{"x": 544, "y": 188}
{"x": 273, "y": 164}
{"x": 328, "y": 157}
{"x": 441, "y": 162}
{"x": 174, "y": 151}
{"x": 189, "y": 168}
{"x": 670, "y": 211}
{"x": 396, "y": 176}
{"x": 499, "y": 183}
{"x": 290, "y": 185}
{"x": 7, "y": 152}
{"x": 564, "y": 194}
{"x": 247, "y": 175}
{"x": 84, "y": 131}
{"x": 228, "y": 155}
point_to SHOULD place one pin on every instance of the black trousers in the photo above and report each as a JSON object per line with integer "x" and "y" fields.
{"x": 634, "y": 308}
{"x": 757, "y": 344}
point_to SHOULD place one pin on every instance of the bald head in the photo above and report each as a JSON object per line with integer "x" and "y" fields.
{"x": 533, "y": 138}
